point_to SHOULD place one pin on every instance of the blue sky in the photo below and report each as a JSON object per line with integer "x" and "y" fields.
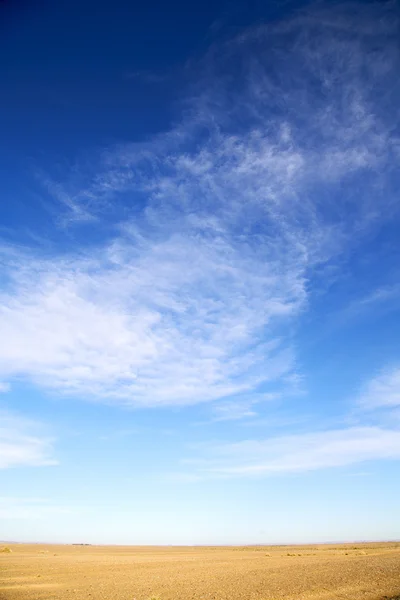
{"x": 199, "y": 288}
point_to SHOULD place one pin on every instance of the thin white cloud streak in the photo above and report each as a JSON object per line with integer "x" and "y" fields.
{"x": 309, "y": 451}
{"x": 242, "y": 408}
{"x": 29, "y": 508}
{"x": 282, "y": 162}
{"x": 382, "y": 391}
{"x": 381, "y": 295}
{"x": 77, "y": 206}
{"x": 382, "y": 299}
{"x": 21, "y": 445}
{"x": 232, "y": 411}
{"x": 299, "y": 452}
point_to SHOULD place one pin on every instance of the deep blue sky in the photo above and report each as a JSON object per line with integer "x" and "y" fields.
{"x": 98, "y": 72}
{"x": 199, "y": 271}
{"x": 76, "y": 65}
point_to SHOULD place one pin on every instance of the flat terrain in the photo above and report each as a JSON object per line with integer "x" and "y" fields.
{"x": 352, "y": 571}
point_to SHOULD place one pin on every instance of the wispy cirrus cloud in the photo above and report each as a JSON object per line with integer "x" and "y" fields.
{"x": 382, "y": 299}
{"x": 232, "y": 411}
{"x": 148, "y": 330}
{"x": 282, "y": 161}
{"x": 314, "y": 449}
{"x": 298, "y": 453}
{"x": 382, "y": 391}
{"x": 29, "y": 508}
{"x": 22, "y": 444}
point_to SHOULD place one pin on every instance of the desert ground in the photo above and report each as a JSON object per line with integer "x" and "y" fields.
{"x": 321, "y": 572}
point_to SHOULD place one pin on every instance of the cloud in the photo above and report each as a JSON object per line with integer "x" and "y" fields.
{"x": 77, "y": 205}
{"x": 282, "y": 161}
{"x": 4, "y": 387}
{"x": 381, "y": 299}
{"x": 243, "y": 408}
{"x": 299, "y": 453}
{"x": 174, "y": 323}
{"x": 381, "y": 295}
{"x": 21, "y": 445}
{"x": 382, "y": 391}
{"x": 29, "y": 508}
{"x": 232, "y": 411}
{"x": 311, "y": 450}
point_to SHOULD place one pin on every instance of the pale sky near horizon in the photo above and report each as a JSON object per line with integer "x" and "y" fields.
{"x": 199, "y": 272}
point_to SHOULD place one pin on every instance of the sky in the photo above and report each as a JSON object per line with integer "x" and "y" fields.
{"x": 199, "y": 284}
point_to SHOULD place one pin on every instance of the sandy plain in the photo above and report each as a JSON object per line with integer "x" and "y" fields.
{"x": 320, "y": 572}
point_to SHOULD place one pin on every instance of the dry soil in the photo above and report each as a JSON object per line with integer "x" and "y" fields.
{"x": 328, "y": 572}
